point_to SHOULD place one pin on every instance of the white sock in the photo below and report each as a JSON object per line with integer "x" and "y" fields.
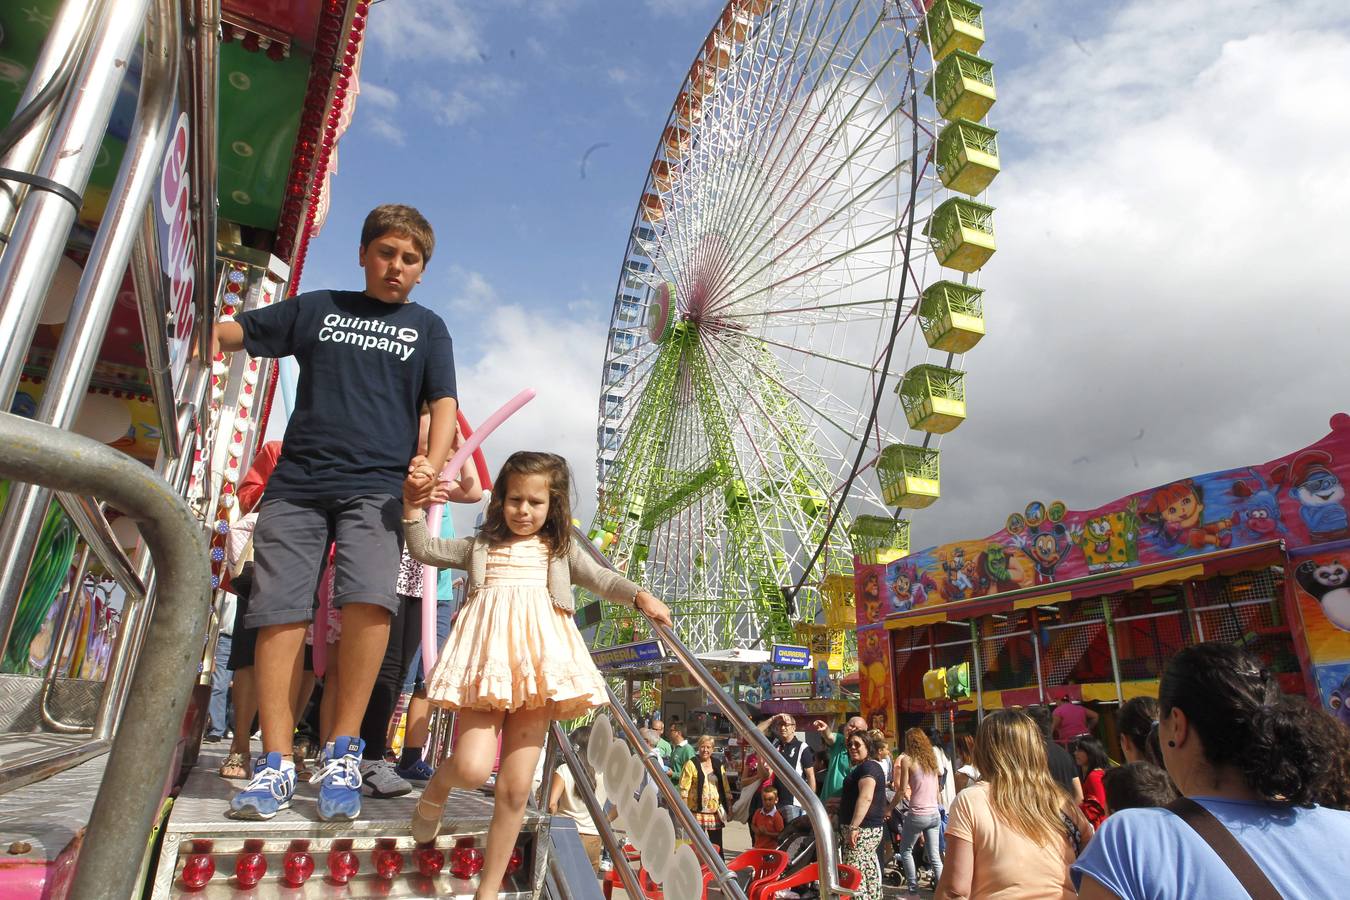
{"x": 287, "y": 764}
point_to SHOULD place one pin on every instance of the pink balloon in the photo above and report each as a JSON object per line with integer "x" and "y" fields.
{"x": 471, "y": 443}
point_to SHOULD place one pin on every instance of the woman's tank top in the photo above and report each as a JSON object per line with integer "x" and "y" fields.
{"x": 923, "y": 790}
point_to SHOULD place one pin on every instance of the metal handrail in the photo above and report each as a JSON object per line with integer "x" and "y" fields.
{"x": 811, "y": 804}
{"x": 129, "y": 797}
{"x": 593, "y": 806}
{"x": 698, "y": 838}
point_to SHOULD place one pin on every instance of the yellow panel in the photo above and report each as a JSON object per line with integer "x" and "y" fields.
{"x": 916, "y": 621}
{"x": 1043, "y": 600}
{"x": 1168, "y": 577}
{"x": 973, "y": 102}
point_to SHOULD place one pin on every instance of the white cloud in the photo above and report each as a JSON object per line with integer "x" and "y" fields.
{"x": 1166, "y": 299}
{"x": 377, "y": 96}
{"x": 676, "y": 7}
{"x": 559, "y": 353}
{"x": 376, "y": 107}
{"x": 387, "y": 130}
{"x": 618, "y": 75}
{"x": 428, "y": 30}
{"x": 468, "y": 97}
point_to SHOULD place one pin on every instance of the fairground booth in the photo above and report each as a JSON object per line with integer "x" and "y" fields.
{"x": 1087, "y": 605}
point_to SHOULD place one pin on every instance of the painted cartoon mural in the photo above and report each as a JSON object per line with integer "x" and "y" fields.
{"x": 1298, "y": 498}
{"x": 1322, "y": 576}
{"x": 874, "y": 682}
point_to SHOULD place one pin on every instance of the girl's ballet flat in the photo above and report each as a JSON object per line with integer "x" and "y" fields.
{"x": 425, "y": 828}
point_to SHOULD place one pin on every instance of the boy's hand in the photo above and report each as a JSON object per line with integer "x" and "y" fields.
{"x": 653, "y": 609}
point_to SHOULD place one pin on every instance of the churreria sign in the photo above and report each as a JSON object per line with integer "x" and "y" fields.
{"x": 369, "y": 334}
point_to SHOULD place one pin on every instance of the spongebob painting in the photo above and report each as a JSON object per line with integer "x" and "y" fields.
{"x": 1110, "y": 540}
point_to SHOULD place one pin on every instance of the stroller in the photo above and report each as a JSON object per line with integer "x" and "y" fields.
{"x": 798, "y": 841}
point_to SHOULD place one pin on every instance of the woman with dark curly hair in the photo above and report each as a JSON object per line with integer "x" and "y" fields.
{"x": 1250, "y": 763}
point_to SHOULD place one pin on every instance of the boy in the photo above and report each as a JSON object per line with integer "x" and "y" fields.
{"x": 681, "y": 751}
{"x": 368, "y": 361}
{"x": 767, "y": 822}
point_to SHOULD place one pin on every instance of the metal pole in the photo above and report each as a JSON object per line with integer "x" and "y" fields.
{"x": 1033, "y": 626}
{"x": 66, "y": 39}
{"x": 597, "y": 810}
{"x": 73, "y": 365}
{"x": 129, "y": 798}
{"x": 702, "y": 846}
{"x": 811, "y": 803}
{"x": 978, "y": 644}
{"x": 74, "y": 596}
{"x": 44, "y": 220}
{"x": 1111, "y": 645}
{"x": 148, "y": 283}
{"x": 206, "y": 108}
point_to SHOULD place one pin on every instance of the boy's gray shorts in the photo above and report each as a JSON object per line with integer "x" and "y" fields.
{"x": 290, "y": 550}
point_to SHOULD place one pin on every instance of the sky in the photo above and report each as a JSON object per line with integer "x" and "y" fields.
{"x": 1169, "y": 296}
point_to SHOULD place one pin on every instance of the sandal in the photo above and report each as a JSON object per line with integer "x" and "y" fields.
{"x": 426, "y": 828}
{"x": 235, "y": 766}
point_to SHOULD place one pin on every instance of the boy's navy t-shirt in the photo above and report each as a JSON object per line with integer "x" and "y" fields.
{"x": 366, "y": 367}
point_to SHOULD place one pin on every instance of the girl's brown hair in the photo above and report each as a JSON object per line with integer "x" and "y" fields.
{"x": 920, "y": 750}
{"x": 557, "y": 528}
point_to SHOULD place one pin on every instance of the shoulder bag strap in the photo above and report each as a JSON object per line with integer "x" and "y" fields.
{"x": 1222, "y": 842}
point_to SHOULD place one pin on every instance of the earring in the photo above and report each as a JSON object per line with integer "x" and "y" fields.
{"x": 1171, "y": 743}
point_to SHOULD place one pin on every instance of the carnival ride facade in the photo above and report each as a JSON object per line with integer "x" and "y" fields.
{"x": 798, "y": 290}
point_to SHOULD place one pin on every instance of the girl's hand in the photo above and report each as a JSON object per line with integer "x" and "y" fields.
{"x": 851, "y": 838}
{"x": 653, "y": 609}
{"x": 417, "y": 489}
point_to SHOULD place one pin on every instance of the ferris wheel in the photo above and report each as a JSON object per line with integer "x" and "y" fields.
{"x": 797, "y": 291}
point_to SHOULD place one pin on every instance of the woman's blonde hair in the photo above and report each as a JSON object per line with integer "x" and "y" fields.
{"x": 919, "y": 749}
{"x": 705, "y": 739}
{"x": 1010, "y": 754}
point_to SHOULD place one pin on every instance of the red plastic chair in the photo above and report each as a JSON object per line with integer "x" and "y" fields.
{"x": 767, "y": 865}
{"x": 849, "y": 877}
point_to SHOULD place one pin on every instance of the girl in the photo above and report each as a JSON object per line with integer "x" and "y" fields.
{"x": 1016, "y": 832}
{"x": 916, "y": 783}
{"x": 1092, "y": 762}
{"x": 515, "y": 661}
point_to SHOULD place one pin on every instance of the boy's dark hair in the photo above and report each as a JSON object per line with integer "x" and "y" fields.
{"x": 1137, "y": 785}
{"x": 769, "y": 791}
{"x": 557, "y": 528}
{"x": 675, "y": 725}
{"x": 401, "y": 220}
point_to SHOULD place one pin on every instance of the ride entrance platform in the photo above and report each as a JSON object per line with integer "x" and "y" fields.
{"x": 295, "y": 855}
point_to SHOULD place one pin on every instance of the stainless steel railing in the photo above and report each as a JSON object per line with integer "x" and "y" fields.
{"x": 129, "y": 797}
{"x": 788, "y": 775}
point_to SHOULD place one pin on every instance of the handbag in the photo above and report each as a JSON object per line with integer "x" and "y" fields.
{"x": 1222, "y": 842}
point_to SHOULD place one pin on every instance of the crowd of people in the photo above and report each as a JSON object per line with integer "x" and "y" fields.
{"x": 1026, "y": 807}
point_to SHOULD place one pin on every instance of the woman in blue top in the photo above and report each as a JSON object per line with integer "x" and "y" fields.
{"x": 1253, "y": 758}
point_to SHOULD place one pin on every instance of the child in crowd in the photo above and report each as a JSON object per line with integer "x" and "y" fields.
{"x": 368, "y": 361}
{"x": 767, "y": 822}
{"x": 1137, "y": 785}
{"x": 515, "y": 661}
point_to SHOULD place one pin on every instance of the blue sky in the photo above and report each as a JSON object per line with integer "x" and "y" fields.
{"x": 1165, "y": 301}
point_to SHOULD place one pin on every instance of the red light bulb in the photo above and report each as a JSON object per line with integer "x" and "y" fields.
{"x": 388, "y": 863}
{"x": 466, "y": 860}
{"x": 198, "y": 869}
{"x": 343, "y": 866}
{"x": 430, "y": 861}
{"x": 298, "y": 866}
{"x": 517, "y": 857}
{"x": 249, "y": 868}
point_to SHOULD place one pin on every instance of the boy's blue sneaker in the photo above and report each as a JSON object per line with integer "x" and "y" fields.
{"x": 339, "y": 779}
{"x": 418, "y": 771}
{"x": 268, "y": 793}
